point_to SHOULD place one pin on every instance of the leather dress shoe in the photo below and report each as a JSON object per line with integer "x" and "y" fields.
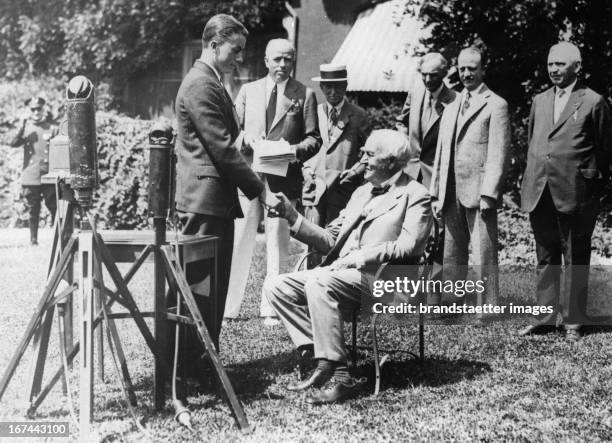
{"x": 318, "y": 378}
{"x": 335, "y": 392}
{"x": 537, "y": 330}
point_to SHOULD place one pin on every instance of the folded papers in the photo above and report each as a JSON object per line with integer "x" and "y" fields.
{"x": 272, "y": 157}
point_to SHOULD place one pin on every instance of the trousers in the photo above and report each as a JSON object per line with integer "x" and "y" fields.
{"x": 310, "y": 303}
{"x": 277, "y": 251}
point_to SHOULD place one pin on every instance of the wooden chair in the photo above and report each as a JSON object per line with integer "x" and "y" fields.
{"x": 425, "y": 265}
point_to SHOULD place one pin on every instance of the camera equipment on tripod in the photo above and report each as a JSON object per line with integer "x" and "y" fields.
{"x": 81, "y": 116}
{"x": 160, "y": 169}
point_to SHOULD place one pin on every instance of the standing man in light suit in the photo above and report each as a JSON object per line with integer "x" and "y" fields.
{"x": 420, "y": 116}
{"x": 209, "y": 166}
{"x": 344, "y": 128}
{"x": 272, "y": 108}
{"x": 567, "y": 164}
{"x": 469, "y": 171}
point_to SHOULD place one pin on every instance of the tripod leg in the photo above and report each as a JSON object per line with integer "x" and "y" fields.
{"x": 40, "y": 345}
{"x": 99, "y": 330}
{"x": 75, "y": 348}
{"x": 128, "y": 300}
{"x": 36, "y": 318}
{"x": 86, "y": 287}
{"x": 161, "y": 330}
{"x": 114, "y": 336}
{"x": 40, "y": 342}
{"x": 179, "y": 279}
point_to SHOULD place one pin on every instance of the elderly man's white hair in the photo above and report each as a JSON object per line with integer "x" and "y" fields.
{"x": 391, "y": 145}
{"x": 570, "y": 49}
{"x": 281, "y": 43}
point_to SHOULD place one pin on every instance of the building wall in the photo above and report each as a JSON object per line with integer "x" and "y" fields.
{"x": 318, "y": 40}
{"x": 152, "y": 93}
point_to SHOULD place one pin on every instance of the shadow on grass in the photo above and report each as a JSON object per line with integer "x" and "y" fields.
{"x": 432, "y": 372}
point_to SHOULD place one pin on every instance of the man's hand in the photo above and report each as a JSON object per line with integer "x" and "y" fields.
{"x": 249, "y": 142}
{"x": 24, "y": 117}
{"x": 436, "y": 208}
{"x": 285, "y": 209}
{"x": 346, "y": 176}
{"x": 400, "y": 127}
{"x": 346, "y": 262}
{"x": 487, "y": 203}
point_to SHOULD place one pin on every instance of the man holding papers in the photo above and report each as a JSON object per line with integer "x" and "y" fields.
{"x": 278, "y": 115}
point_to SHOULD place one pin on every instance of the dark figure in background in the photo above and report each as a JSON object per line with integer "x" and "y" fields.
{"x": 34, "y": 134}
{"x": 344, "y": 128}
{"x": 567, "y": 164}
{"x": 210, "y": 167}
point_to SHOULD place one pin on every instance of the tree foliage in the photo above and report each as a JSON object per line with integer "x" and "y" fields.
{"x": 108, "y": 39}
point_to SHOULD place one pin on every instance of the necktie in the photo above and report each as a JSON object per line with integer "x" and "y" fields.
{"x": 466, "y": 103}
{"x": 558, "y": 107}
{"x": 427, "y": 107}
{"x": 333, "y": 116}
{"x": 380, "y": 191}
{"x": 333, "y": 120}
{"x": 271, "y": 109}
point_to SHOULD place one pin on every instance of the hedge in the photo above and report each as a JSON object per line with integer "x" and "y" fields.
{"x": 121, "y": 198}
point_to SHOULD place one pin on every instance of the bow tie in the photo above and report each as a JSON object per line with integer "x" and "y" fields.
{"x": 380, "y": 191}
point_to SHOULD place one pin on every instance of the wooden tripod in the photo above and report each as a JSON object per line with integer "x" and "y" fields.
{"x": 92, "y": 253}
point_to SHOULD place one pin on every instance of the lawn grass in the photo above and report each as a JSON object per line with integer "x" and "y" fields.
{"x": 478, "y": 382}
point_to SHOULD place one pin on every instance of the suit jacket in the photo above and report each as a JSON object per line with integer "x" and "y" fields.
{"x": 339, "y": 151}
{"x": 424, "y": 144}
{"x": 572, "y": 155}
{"x": 35, "y": 141}
{"x": 296, "y": 122}
{"x": 396, "y": 229}
{"x": 480, "y": 140}
{"x": 209, "y": 166}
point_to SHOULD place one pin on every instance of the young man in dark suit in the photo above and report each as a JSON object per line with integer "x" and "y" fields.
{"x": 210, "y": 167}
{"x": 568, "y": 159}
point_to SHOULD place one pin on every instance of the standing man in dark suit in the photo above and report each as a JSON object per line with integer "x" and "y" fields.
{"x": 420, "y": 116}
{"x": 273, "y": 108}
{"x": 567, "y": 162}
{"x": 344, "y": 129}
{"x": 209, "y": 164}
{"x": 468, "y": 173}
{"x": 420, "y": 121}
{"x": 33, "y": 135}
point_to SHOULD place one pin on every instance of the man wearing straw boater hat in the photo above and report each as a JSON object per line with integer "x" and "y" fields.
{"x": 344, "y": 129}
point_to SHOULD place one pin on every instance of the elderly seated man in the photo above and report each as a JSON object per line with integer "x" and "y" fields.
{"x": 387, "y": 219}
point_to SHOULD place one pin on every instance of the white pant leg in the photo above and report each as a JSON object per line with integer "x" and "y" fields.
{"x": 244, "y": 245}
{"x": 277, "y": 249}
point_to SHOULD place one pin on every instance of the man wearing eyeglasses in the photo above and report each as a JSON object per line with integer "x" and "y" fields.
{"x": 33, "y": 134}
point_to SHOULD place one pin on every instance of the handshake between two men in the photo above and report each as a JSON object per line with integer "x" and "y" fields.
{"x": 387, "y": 219}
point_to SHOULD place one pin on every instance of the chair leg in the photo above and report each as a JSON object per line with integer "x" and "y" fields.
{"x": 354, "y": 339}
{"x": 376, "y": 360}
{"x": 421, "y": 339}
